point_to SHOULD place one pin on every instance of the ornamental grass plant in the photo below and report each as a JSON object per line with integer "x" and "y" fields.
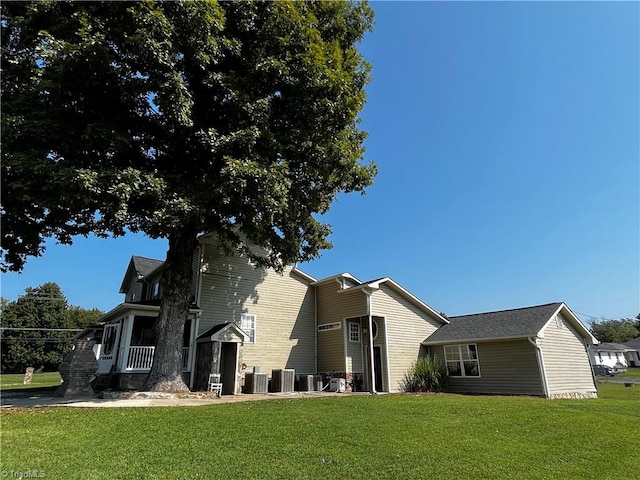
{"x": 426, "y": 375}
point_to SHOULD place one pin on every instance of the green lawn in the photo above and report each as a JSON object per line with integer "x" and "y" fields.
{"x": 386, "y": 436}
{"x": 47, "y": 379}
{"x": 632, "y": 372}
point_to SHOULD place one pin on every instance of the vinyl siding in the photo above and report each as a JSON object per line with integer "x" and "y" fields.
{"x": 134, "y": 291}
{"x": 283, "y": 304}
{"x": 354, "y": 349}
{"x": 336, "y": 307}
{"x": 565, "y": 359}
{"x": 406, "y": 326}
{"x": 508, "y": 367}
{"x": 195, "y": 268}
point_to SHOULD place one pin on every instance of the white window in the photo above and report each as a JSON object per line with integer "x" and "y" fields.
{"x": 354, "y": 332}
{"x": 248, "y": 325}
{"x": 462, "y": 360}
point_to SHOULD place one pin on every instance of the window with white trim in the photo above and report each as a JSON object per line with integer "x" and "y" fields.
{"x": 462, "y": 360}
{"x": 248, "y": 326}
{"x": 354, "y": 332}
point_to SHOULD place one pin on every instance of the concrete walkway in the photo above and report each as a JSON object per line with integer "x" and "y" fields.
{"x": 150, "y": 399}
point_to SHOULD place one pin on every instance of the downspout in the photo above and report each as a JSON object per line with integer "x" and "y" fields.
{"x": 315, "y": 329}
{"x": 543, "y": 371}
{"x": 345, "y": 326}
{"x": 372, "y": 370}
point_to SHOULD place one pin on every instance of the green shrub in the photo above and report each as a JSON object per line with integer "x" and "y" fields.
{"x": 426, "y": 375}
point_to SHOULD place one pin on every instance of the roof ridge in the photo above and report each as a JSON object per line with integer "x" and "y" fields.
{"x": 506, "y": 310}
{"x": 147, "y": 258}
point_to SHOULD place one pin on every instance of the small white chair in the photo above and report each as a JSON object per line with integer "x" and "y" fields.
{"x": 214, "y": 384}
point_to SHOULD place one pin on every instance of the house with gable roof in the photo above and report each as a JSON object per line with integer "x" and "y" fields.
{"x": 540, "y": 350}
{"x": 246, "y": 319}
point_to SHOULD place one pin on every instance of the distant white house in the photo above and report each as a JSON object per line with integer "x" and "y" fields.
{"x": 609, "y": 354}
{"x": 633, "y": 352}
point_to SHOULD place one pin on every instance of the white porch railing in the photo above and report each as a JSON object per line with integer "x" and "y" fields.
{"x": 141, "y": 358}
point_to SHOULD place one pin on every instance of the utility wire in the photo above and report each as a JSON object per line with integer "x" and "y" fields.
{"x": 603, "y": 319}
{"x": 43, "y": 329}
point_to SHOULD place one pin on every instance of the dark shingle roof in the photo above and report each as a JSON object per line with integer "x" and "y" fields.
{"x": 611, "y": 347}
{"x": 516, "y": 323}
{"x": 144, "y": 266}
{"x": 139, "y": 267}
{"x": 635, "y": 343}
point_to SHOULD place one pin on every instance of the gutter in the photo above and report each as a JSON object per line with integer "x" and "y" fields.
{"x": 315, "y": 328}
{"x": 543, "y": 371}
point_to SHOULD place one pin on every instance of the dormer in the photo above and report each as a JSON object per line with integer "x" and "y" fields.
{"x": 142, "y": 280}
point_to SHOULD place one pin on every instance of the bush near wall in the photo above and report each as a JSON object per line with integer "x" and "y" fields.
{"x": 426, "y": 375}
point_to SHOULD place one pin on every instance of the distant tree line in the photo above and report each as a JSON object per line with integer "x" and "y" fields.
{"x": 38, "y": 328}
{"x": 616, "y": 331}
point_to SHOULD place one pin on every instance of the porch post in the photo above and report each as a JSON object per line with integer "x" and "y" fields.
{"x": 125, "y": 341}
{"x": 195, "y": 325}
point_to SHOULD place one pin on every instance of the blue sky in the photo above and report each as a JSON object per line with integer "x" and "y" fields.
{"x": 507, "y": 137}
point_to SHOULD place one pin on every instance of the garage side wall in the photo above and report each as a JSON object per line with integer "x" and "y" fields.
{"x": 566, "y": 361}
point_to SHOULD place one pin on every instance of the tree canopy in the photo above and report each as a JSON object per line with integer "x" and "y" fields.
{"x": 180, "y": 118}
{"x": 157, "y": 116}
{"x": 616, "y": 331}
{"x": 35, "y": 328}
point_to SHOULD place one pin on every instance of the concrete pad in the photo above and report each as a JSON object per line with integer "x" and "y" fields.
{"x": 148, "y": 399}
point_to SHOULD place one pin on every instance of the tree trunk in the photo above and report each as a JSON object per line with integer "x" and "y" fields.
{"x": 166, "y": 371}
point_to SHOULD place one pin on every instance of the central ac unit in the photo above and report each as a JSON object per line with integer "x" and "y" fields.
{"x": 283, "y": 380}
{"x": 306, "y": 383}
{"x": 318, "y": 384}
{"x": 256, "y": 382}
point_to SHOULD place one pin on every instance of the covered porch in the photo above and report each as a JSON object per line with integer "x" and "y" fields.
{"x": 128, "y": 345}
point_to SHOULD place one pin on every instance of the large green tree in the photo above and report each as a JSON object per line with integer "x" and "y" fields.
{"x": 178, "y": 118}
{"x": 37, "y": 328}
{"x": 616, "y": 331}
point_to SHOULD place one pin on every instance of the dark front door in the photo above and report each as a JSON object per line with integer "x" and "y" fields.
{"x": 228, "y": 367}
{"x": 377, "y": 366}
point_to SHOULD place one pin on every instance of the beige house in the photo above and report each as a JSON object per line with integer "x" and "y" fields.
{"x": 352, "y": 316}
{"x": 247, "y": 320}
{"x": 539, "y": 350}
